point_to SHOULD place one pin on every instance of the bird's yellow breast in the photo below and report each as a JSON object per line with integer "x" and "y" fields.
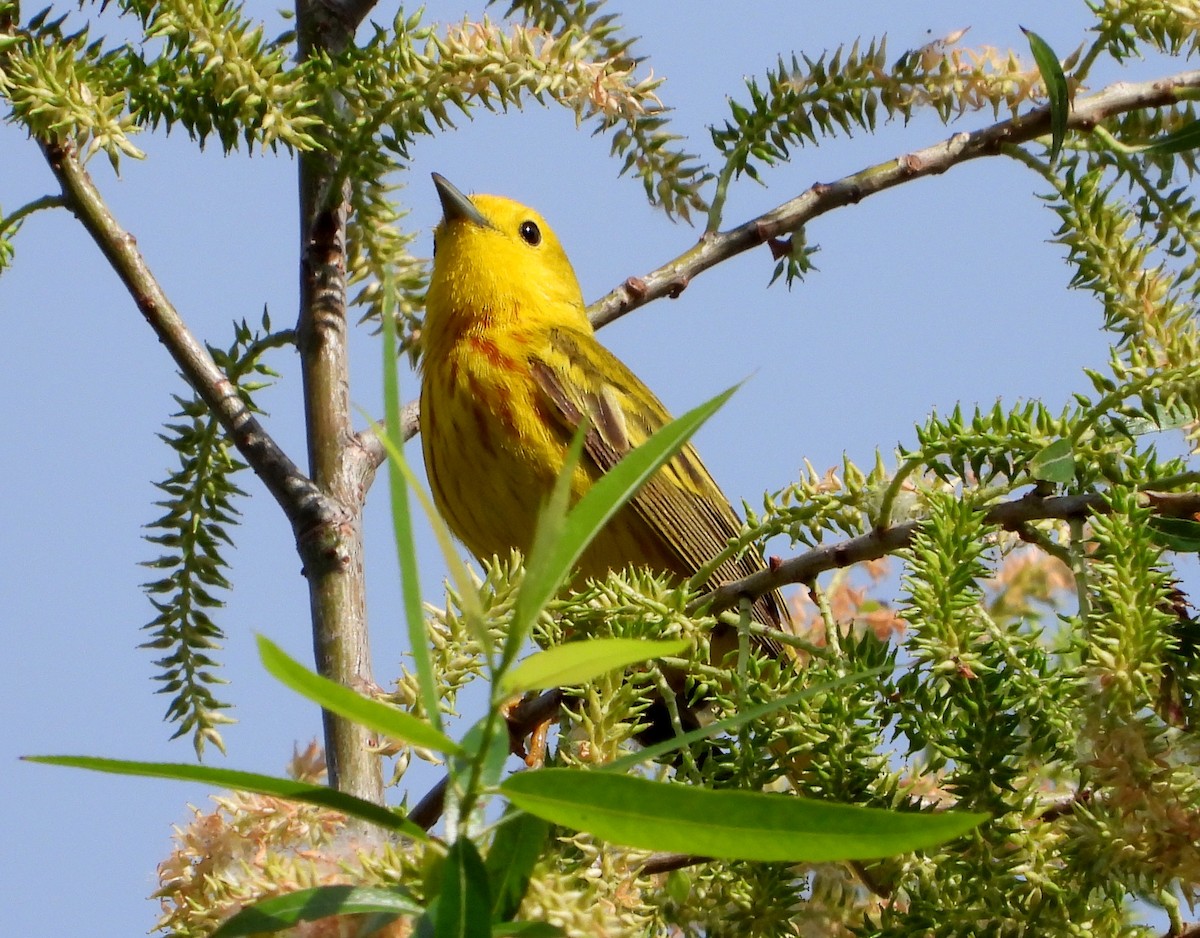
{"x": 489, "y": 454}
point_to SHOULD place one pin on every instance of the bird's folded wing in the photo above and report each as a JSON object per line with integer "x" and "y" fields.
{"x": 681, "y": 503}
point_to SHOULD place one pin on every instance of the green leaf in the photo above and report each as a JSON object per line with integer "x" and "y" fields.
{"x": 373, "y": 714}
{"x": 732, "y": 825}
{"x": 518, "y": 843}
{"x": 1177, "y": 534}
{"x": 246, "y": 781}
{"x": 1184, "y": 138}
{"x": 459, "y": 575}
{"x": 579, "y": 662}
{"x": 406, "y": 548}
{"x": 1054, "y": 463}
{"x": 551, "y": 559}
{"x": 308, "y": 905}
{"x": 1056, "y": 89}
{"x": 485, "y": 748}
{"x": 464, "y": 905}
{"x": 526, "y": 930}
{"x": 544, "y": 573}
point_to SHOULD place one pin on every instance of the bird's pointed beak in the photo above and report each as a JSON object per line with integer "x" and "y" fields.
{"x": 456, "y": 206}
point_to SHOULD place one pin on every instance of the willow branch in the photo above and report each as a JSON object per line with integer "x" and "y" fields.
{"x": 1012, "y": 516}
{"x": 333, "y": 554}
{"x": 673, "y": 277}
{"x": 297, "y": 496}
{"x": 371, "y": 447}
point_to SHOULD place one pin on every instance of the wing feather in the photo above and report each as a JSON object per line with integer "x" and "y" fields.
{"x": 681, "y": 506}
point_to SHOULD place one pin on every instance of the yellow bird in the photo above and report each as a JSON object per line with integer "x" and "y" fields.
{"x": 511, "y": 367}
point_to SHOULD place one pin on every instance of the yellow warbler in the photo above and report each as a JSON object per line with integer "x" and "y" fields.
{"x": 511, "y": 366}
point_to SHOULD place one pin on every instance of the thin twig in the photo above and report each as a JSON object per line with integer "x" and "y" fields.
{"x": 668, "y": 862}
{"x": 369, "y": 443}
{"x": 303, "y": 504}
{"x": 673, "y": 277}
{"x": 1011, "y": 515}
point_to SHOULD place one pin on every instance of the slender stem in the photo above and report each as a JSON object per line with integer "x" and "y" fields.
{"x": 673, "y": 277}
{"x": 880, "y": 542}
{"x": 833, "y": 637}
{"x": 47, "y": 201}
{"x": 1079, "y": 567}
{"x": 300, "y": 500}
{"x": 522, "y": 720}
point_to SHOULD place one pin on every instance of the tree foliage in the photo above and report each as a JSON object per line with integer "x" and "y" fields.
{"x": 1038, "y": 664}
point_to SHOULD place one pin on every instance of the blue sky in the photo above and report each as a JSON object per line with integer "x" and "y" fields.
{"x": 938, "y": 292}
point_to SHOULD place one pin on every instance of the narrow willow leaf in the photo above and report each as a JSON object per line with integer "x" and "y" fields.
{"x": 457, "y": 570}
{"x": 1056, "y": 89}
{"x": 516, "y": 847}
{"x": 334, "y": 697}
{"x": 1054, "y": 463}
{"x": 597, "y": 506}
{"x": 544, "y": 573}
{"x": 1177, "y": 534}
{"x": 579, "y": 662}
{"x": 308, "y": 905}
{"x": 730, "y": 825}
{"x": 464, "y": 904}
{"x": 406, "y": 548}
{"x": 1184, "y": 138}
{"x": 482, "y": 746}
{"x": 246, "y": 781}
{"x": 526, "y": 930}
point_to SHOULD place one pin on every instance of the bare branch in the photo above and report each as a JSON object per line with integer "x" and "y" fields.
{"x": 1012, "y": 516}
{"x": 301, "y": 501}
{"x": 372, "y": 449}
{"x": 673, "y": 277}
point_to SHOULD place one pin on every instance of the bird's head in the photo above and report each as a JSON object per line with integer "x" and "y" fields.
{"x": 498, "y": 261}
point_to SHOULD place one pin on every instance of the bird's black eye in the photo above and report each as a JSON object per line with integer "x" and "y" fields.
{"x": 531, "y": 234}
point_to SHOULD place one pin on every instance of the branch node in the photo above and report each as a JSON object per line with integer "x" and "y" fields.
{"x": 780, "y": 248}
{"x": 636, "y": 288}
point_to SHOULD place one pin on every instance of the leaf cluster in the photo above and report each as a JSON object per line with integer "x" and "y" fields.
{"x": 199, "y": 510}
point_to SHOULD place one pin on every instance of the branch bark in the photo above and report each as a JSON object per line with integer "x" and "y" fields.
{"x": 333, "y": 552}
{"x": 672, "y": 278}
{"x": 802, "y": 569}
{"x": 323, "y": 519}
{"x": 300, "y": 500}
{"x": 871, "y": 546}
